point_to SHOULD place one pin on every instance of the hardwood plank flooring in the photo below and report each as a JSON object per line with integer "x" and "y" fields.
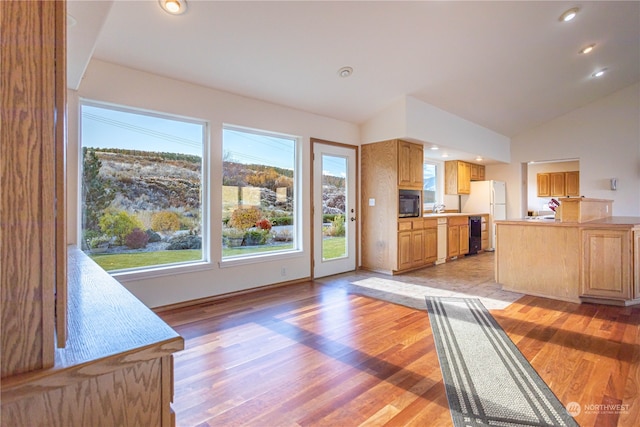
{"x": 316, "y": 354}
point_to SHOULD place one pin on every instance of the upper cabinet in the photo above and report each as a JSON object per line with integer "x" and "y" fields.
{"x": 572, "y": 183}
{"x": 558, "y": 184}
{"x": 477, "y": 172}
{"x": 458, "y": 176}
{"x": 410, "y": 165}
{"x": 544, "y": 189}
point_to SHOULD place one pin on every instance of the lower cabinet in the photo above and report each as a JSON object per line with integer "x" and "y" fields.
{"x": 607, "y": 268}
{"x": 417, "y": 243}
{"x": 458, "y": 236}
{"x": 484, "y": 229}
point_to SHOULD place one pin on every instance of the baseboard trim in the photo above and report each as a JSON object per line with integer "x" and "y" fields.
{"x": 213, "y": 298}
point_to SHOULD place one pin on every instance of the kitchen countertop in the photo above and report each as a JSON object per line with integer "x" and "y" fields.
{"x": 448, "y": 214}
{"x": 622, "y": 221}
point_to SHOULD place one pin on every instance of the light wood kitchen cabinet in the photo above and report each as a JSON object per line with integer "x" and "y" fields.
{"x": 430, "y": 241}
{"x": 458, "y": 236}
{"x": 417, "y": 243}
{"x": 410, "y": 165}
{"x": 477, "y": 172}
{"x": 544, "y": 186}
{"x": 484, "y": 232}
{"x": 457, "y": 177}
{"x": 385, "y": 247}
{"x": 572, "y": 183}
{"x": 556, "y": 183}
{"x": 606, "y": 263}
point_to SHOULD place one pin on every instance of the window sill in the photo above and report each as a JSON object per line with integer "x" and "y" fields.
{"x": 260, "y": 257}
{"x": 160, "y": 271}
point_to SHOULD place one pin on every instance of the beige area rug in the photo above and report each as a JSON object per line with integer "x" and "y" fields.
{"x": 470, "y": 277}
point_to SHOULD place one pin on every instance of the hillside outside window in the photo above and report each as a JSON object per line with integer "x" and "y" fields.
{"x": 141, "y": 188}
{"x": 259, "y": 206}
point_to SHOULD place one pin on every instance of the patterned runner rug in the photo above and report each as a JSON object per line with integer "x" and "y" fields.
{"x": 488, "y": 380}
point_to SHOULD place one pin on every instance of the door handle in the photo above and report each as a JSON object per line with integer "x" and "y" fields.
{"x": 353, "y": 218}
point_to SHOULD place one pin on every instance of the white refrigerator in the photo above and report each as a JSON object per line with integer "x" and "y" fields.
{"x": 487, "y": 197}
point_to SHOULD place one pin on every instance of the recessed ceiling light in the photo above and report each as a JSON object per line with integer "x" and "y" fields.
{"x": 445, "y": 155}
{"x": 174, "y": 7}
{"x": 434, "y": 147}
{"x": 569, "y": 14}
{"x": 478, "y": 159}
{"x": 599, "y": 73}
{"x": 587, "y": 49}
{"x": 345, "y": 71}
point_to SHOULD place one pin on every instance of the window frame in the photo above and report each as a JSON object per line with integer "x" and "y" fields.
{"x": 298, "y": 243}
{"x": 158, "y": 270}
{"x": 439, "y": 196}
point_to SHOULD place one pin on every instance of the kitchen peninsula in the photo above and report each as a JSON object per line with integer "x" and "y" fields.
{"x": 584, "y": 255}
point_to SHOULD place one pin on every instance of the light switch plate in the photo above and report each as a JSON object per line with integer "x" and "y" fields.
{"x": 372, "y": 202}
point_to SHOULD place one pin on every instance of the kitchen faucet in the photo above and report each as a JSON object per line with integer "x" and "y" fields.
{"x": 438, "y": 208}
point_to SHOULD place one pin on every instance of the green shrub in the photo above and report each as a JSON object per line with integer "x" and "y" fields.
{"x": 137, "y": 239}
{"x": 326, "y": 218}
{"x": 119, "y": 225}
{"x": 187, "y": 241}
{"x": 166, "y": 221}
{"x": 282, "y": 220}
{"x": 256, "y": 237}
{"x": 337, "y": 228}
{"x": 98, "y": 241}
{"x": 153, "y": 236}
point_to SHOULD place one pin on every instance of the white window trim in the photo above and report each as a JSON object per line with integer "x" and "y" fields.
{"x": 440, "y": 183}
{"x": 298, "y": 184}
{"x": 159, "y": 270}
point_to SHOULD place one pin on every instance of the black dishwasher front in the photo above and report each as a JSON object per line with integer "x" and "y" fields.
{"x": 475, "y": 234}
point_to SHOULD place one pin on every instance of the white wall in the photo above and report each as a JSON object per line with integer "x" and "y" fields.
{"x": 604, "y": 135}
{"x": 114, "y": 84}
{"x": 415, "y": 120}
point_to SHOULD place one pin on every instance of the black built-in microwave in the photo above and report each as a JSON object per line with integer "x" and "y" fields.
{"x": 409, "y": 204}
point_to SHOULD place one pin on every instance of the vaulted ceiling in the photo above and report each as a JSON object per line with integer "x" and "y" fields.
{"x": 507, "y": 66}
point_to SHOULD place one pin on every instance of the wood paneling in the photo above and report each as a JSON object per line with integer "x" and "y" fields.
{"x": 126, "y": 397}
{"x": 541, "y": 260}
{"x": 28, "y": 87}
{"x": 379, "y": 247}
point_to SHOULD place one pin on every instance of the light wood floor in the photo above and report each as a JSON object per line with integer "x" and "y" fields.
{"x": 316, "y": 354}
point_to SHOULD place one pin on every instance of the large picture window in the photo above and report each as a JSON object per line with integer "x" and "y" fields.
{"x": 141, "y": 188}
{"x": 258, "y": 193}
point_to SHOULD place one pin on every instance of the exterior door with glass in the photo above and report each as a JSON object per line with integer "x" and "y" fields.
{"x": 334, "y": 213}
